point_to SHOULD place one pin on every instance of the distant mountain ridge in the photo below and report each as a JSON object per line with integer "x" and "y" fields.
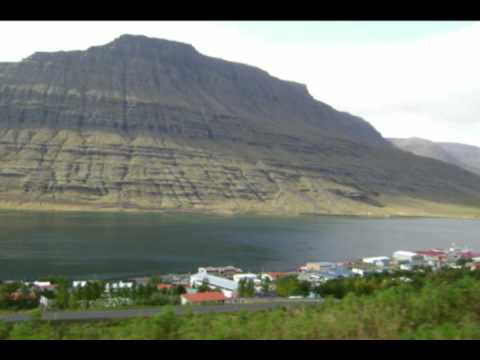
{"x": 151, "y": 124}
{"x": 465, "y": 156}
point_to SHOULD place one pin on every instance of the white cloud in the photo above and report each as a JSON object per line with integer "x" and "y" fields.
{"x": 428, "y": 87}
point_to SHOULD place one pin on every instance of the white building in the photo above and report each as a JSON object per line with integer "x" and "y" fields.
{"x": 222, "y": 271}
{"x": 319, "y": 266}
{"x": 361, "y": 271}
{"x": 403, "y": 255}
{"x": 228, "y": 287}
{"x": 247, "y": 276}
{"x": 118, "y": 285}
{"x": 413, "y": 258}
{"x": 45, "y": 302}
{"x": 377, "y": 260}
{"x": 43, "y": 285}
{"x": 79, "y": 284}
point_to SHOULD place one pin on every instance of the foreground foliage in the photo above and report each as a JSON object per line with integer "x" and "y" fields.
{"x": 443, "y": 305}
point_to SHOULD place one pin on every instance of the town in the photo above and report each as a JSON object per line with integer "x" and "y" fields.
{"x": 223, "y": 285}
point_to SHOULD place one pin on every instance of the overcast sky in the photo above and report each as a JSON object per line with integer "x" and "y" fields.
{"x": 405, "y": 78}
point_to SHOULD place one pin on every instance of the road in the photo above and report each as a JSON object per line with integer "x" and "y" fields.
{"x": 148, "y": 312}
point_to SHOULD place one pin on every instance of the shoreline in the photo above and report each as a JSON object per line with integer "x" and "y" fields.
{"x": 58, "y": 208}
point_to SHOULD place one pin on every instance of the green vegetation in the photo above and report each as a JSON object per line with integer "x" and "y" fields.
{"x": 266, "y": 285}
{"x": 291, "y": 286}
{"x": 205, "y": 287}
{"x": 91, "y": 296}
{"x": 341, "y": 287}
{"x": 440, "y": 305}
{"x": 246, "y": 288}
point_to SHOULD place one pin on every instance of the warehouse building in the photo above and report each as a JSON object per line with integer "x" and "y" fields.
{"x": 226, "y": 286}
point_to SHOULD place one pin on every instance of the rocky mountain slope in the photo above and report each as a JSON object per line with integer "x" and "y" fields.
{"x": 143, "y": 123}
{"x": 465, "y": 156}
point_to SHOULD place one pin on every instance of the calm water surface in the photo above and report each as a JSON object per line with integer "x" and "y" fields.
{"x": 117, "y": 245}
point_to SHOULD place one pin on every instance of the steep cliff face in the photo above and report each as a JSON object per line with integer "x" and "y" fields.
{"x": 153, "y": 124}
{"x": 141, "y": 84}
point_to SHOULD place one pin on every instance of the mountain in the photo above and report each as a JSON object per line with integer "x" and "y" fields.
{"x": 426, "y": 148}
{"x": 464, "y": 156}
{"x": 150, "y": 124}
{"x": 468, "y": 155}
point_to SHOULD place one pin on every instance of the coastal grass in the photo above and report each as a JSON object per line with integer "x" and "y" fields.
{"x": 394, "y": 207}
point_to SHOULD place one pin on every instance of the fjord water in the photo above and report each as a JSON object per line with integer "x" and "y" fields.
{"x": 115, "y": 245}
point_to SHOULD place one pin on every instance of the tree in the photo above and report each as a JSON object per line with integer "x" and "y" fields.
{"x": 246, "y": 288}
{"x": 154, "y": 281}
{"x": 204, "y": 287}
{"x": 291, "y": 286}
{"x": 179, "y": 290}
{"x": 63, "y": 296}
{"x": 266, "y": 285}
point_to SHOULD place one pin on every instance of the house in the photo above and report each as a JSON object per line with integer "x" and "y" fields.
{"x": 203, "y": 298}
{"x": 227, "y": 286}
{"x": 319, "y": 266}
{"x": 433, "y": 254}
{"x": 435, "y": 258}
{"x": 164, "y": 286}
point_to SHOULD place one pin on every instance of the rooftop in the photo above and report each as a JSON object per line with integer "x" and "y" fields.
{"x": 204, "y": 296}
{"x": 213, "y": 280}
{"x": 431, "y": 252}
{"x": 164, "y": 286}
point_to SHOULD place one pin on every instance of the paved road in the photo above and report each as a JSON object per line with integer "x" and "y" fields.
{"x": 147, "y": 312}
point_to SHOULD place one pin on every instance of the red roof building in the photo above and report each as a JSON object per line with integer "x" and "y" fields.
{"x": 432, "y": 254}
{"x": 475, "y": 266}
{"x": 16, "y": 296}
{"x": 202, "y": 297}
{"x": 468, "y": 254}
{"x": 164, "y": 286}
